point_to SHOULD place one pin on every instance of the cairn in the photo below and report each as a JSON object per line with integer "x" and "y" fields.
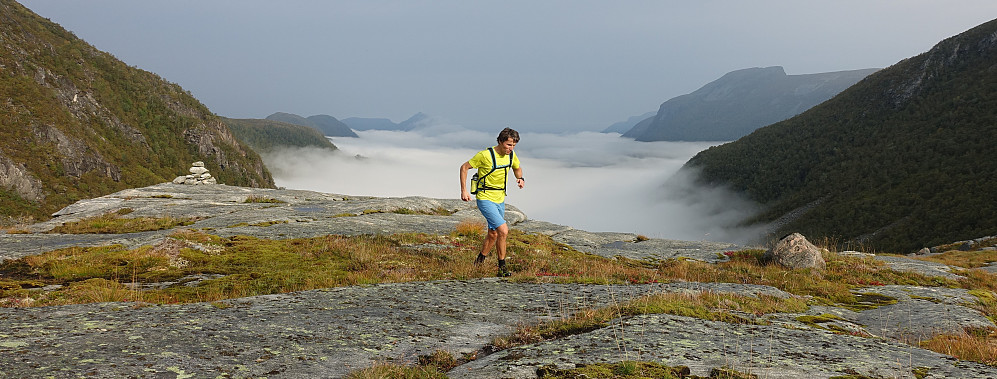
{"x": 198, "y": 175}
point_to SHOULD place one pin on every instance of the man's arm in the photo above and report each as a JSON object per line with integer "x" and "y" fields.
{"x": 519, "y": 176}
{"x": 464, "y": 195}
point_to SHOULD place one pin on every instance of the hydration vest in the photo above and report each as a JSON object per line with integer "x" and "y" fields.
{"x": 478, "y": 181}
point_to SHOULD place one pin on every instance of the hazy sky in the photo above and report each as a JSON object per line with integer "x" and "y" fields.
{"x": 532, "y": 65}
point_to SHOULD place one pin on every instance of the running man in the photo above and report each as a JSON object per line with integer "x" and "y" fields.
{"x": 493, "y": 165}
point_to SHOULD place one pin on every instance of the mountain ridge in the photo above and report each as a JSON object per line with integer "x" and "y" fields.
{"x": 264, "y": 136}
{"x": 740, "y": 102}
{"x": 325, "y": 124}
{"x": 894, "y": 162}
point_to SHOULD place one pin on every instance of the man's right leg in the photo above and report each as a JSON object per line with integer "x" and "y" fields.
{"x": 486, "y": 247}
{"x": 494, "y": 216}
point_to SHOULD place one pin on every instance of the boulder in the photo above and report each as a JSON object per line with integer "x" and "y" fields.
{"x": 198, "y": 170}
{"x": 794, "y": 251}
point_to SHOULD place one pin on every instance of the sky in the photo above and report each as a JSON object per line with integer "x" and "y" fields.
{"x": 537, "y": 66}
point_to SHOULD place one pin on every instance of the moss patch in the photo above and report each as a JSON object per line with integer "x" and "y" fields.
{"x": 634, "y": 370}
{"x": 262, "y": 199}
{"x": 242, "y": 266}
{"x": 869, "y": 300}
{"x": 114, "y": 223}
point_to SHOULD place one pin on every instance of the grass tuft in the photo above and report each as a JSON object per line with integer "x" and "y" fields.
{"x": 394, "y": 371}
{"x": 262, "y": 199}
{"x": 113, "y": 223}
{"x": 978, "y": 345}
{"x": 468, "y": 228}
{"x": 706, "y": 305}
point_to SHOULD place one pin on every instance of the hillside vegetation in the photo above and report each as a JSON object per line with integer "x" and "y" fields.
{"x": 325, "y": 124}
{"x": 265, "y": 135}
{"x": 78, "y": 123}
{"x": 902, "y": 160}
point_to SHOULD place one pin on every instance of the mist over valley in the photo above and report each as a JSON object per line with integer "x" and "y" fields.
{"x": 591, "y": 181}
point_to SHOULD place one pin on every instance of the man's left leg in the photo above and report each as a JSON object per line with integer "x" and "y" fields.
{"x": 500, "y": 245}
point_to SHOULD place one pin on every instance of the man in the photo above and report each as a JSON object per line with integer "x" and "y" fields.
{"x": 493, "y": 165}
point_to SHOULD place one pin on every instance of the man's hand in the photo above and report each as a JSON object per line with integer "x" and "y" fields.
{"x": 521, "y": 182}
{"x": 464, "y": 195}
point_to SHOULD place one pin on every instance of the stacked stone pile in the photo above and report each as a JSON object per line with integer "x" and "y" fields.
{"x": 198, "y": 175}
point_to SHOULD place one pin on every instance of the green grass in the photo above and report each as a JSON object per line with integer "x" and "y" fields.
{"x": 635, "y": 370}
{"x": 965, "y": 259}
{"x": 831, "y": 287}
{"x": 393, "y": 371}
{"x": 252, "y": 266}
{"x": 436, "y": 211}
{"x": 706, "y": 305}
{"x": 113, "y": 223}
{"x": 262, "y": 199}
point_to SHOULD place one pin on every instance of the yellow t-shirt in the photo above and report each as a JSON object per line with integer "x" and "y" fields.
{"x": 483, "y": 162}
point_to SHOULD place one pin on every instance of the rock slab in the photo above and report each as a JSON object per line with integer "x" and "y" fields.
{"x": 331, "y": 332}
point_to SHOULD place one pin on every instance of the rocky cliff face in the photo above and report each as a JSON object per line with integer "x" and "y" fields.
{"x": 79, "y": 123}
{"x": 915, "y": 75}
{"x": 740, "y": 102}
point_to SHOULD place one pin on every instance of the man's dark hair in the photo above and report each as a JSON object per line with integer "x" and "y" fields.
{"x": 508, "y": 133}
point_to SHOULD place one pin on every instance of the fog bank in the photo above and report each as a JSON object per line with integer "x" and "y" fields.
{"x": 590, "y": 181}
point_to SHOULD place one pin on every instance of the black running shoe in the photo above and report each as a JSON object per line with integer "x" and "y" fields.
{"x": 480, "y": 259}
{"x": 504, "y": 273}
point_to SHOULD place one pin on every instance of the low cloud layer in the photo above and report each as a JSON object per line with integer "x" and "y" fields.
{"x": 590, "y": 181}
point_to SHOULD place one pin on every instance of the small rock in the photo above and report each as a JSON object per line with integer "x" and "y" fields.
{"x": 794, "y": 251}
{"x": 198, "y": 170}
{"x": 853, "y": 253}
{"x": 924, "y": 251}
{"x": 179, "y": 180}
{"x": 197, "y": 164}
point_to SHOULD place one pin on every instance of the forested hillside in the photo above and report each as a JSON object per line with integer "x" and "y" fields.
{"x": 77, "y": 123}
{"x": 266, "y": 135}
{"x": 325, "y": 124}
{"x": 902, "y": 160}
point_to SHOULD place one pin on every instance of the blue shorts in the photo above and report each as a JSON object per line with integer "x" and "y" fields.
{"x": 493, "y": 212}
